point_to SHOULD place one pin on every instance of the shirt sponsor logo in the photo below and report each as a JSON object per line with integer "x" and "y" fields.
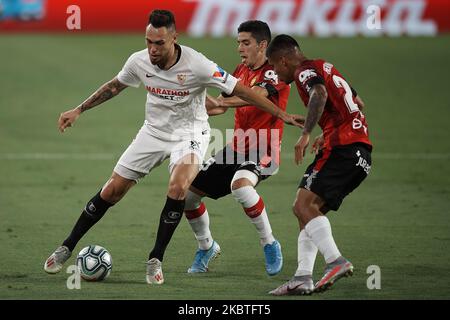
{"x": 168, "y": 94}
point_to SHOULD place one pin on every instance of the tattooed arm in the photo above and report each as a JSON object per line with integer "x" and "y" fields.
{"x": 317, "y": 100}
{"x": 107, "y": 91}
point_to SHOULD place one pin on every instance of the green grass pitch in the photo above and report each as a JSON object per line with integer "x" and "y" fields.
{"x": 398, "y": 219}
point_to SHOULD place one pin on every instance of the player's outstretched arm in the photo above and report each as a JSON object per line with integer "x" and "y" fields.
{"x": 264, "y": 104}
{"x": 317, "y": 100}
{"x": 220, "y": 105}
{"x": 214, "y": 107}
{"x": 236, "y": 102}
{"x": 105, "y": 92}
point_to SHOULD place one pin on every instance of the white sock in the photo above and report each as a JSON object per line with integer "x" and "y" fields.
{"x": 263, "y": 228}
{"x": 200, "y": 226}
{"x": 319, "y": 230}
{"x": 197, "y": 215}
{"x": 255, "y": 209}
{"x": 307, "y": 252}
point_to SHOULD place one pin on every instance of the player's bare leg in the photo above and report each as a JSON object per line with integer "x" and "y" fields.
{"x": 307, "y": 208}
{"x": 114, "y": 190}
{"x": 198, "y": 218}
{"x": 243, "y": 190}
{"x": 183, "y": 173}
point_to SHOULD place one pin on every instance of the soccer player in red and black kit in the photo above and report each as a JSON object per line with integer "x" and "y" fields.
{"x": 252, "y": 156}
{"x": 343, "y": 159}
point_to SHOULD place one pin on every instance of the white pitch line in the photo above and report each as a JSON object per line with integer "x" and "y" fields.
{"x": 56, "y": 156}
{"x": 412, "y": 156}
{"x": 395, "y": 156}
{"x": 288, "y": 155}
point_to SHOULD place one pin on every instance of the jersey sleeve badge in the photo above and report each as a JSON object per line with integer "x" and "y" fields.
{"x": 305, "y": 75}
{"x": 220, "y": 74}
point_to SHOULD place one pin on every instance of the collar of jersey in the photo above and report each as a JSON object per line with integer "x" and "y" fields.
{"x": 178, "y": 56}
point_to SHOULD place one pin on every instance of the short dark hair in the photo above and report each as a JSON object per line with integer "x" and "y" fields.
{"x": 282, "y": 43}
{"x": 161, "y": 18}
{"x": 259, "y": 30}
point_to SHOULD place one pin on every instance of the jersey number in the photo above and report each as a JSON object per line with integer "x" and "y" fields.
{"x": 348, "y": 98}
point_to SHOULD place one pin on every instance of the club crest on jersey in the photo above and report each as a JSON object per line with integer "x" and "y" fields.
{"x": 181, "y": 78}
{"x": 306, "y": 75}
{"x": 220, "y": 74}
{"x": 252, "y": 82}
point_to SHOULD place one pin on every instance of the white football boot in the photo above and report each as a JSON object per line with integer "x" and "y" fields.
{"x": 55, "y": 262}
{"x": 334, "y": 271}
{"x": 300, "y": 285}
{"x": 154, "y": 272}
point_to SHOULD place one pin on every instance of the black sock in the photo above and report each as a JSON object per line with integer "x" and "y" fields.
{"x": 92, "y": 213}
{"x": 170, "y": 218}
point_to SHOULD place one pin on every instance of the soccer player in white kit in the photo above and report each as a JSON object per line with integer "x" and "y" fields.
{"x": 175, "y": 127}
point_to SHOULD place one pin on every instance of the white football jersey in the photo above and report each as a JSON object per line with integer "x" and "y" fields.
{"x": 175, "y": 106}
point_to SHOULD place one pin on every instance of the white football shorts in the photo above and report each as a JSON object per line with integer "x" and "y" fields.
{"x": 148, "y": 151}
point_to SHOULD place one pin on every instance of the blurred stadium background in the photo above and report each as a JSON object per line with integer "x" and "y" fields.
{"x": 51, "y": 59}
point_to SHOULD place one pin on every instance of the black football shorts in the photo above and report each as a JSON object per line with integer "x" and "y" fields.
{"x": 216, "y": 175}
{"x": 337, "y": 172}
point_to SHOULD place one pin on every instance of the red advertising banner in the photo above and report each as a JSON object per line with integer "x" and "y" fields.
{"x": 218, "y": 18}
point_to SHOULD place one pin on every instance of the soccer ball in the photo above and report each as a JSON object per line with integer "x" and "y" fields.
{"x": 94, "y": 262}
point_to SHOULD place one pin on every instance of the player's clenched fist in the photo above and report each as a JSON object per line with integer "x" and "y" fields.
{"x": 66, "y": 119}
